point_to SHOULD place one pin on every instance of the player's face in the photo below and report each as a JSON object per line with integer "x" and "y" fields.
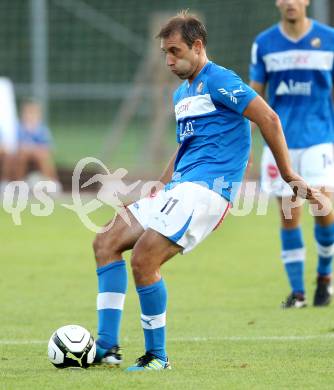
{"x": 31, "y": 114}
{"x": 180, "y": 59}
{"x": 292, "y": 10}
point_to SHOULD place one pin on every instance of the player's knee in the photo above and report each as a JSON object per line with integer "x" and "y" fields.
{"x": 99, "y": 248}
{"x": 107, "y": 248}
{"x": 136, "y": 261}
{"x": 140, "y": 263}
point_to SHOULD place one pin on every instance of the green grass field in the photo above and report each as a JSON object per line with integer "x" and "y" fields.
{"x": 225, "y": 327}
{"x": 73, "y": 143}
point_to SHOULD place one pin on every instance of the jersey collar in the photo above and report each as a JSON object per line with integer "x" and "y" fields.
{"x": 203, "y": 70}
{"x": 286, "y": 36}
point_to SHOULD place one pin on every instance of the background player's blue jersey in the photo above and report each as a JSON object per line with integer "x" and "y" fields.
{"x": 214, "y": 137}
{"x": 300, "y": 80}
{"x": 39, "y": 136}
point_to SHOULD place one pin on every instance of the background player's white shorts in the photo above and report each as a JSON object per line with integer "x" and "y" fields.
{"x": 315, "y": 164}
{"x": 185, "y": 214}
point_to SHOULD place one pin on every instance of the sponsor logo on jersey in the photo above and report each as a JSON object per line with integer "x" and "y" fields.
{"x": 194, "y": 106}
{"x": 229, "y": 94}
{"x": 240, "y": 89}
{"x": 288, "y": 61}
{"x": 299, "y": 59}
{"x": 294, "y": 88}
{"x": 183, "y": 108}
{"x": 316, "y": 42}
{"x": 186, "y": 130}
{"x": 199, "y": 88}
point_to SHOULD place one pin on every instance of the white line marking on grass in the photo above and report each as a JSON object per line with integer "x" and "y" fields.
{"x": 22, "y": 342}
{"x": 201, "y": 339}
{"x": 254, "y": 338}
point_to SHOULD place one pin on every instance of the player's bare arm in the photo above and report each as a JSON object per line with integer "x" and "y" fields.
{"x": 167, "y": 173}
{"x": 260, "y": 89}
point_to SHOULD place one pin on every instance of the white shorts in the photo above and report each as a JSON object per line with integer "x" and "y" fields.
{"x": 315, "y": 164}
{"x": 185, "y": 214}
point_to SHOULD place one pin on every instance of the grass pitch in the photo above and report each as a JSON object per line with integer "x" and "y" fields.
{"x": 225, "y": 327}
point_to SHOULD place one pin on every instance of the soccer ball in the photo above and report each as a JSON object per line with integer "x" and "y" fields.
{"x": 71, "y": 346}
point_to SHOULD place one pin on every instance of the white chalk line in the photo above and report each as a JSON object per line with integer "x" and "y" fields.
{"x": 200, "y": 339}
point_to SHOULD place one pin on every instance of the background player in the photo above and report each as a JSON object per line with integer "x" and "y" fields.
{"x": 214, "y": 140}
{"x": 34, "y": 143}
{"x": 295, "y": 60}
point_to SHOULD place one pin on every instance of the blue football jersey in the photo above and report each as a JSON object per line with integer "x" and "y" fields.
{"x": 214, "y": 136}
{"x": 299, "y": 76}
{"x": 39, "y": 136}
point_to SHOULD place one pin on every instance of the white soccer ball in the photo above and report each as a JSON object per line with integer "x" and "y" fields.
{"x": 71, "y": 346}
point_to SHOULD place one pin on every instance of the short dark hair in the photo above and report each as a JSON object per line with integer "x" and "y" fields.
{"x": 189, "y": 26}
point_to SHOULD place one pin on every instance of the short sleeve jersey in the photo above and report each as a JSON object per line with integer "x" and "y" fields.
{"x": 39, "y": 136}
{"x": 299, "y": 75}
{"x": 213, "y": 134}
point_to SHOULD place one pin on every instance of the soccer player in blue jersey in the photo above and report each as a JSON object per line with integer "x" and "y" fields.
{"x": 294, "y": 60}
{"x": 35, "y": 143}
{"x": 211, "y": 107}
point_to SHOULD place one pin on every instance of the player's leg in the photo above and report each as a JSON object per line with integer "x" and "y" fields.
{"x": 8, "y": 162}
{"x": 22, "y": 160}
{"x": 292, "y": 246}
{"x": 43, "y": 159}
{"x": 180, "y": 218}
{"x": 324, "y": 236}
{"x": 150, "y": 252}
{"x": 112, "y": 284}
{"x": 317, "y": 167}
{"x": 293, "y": 251}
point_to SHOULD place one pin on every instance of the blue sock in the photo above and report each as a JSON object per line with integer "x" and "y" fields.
{"x": 112, "y": 284}
{"x": 153, "y": 302}
{"x": 293, "y": 256}
{"x": 324, "y": 236}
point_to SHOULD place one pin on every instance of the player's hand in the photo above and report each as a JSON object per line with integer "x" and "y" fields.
{"x": 157, "y": 186}
{"x": 301, "y": 189}
{"x": 299, "y": 186}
